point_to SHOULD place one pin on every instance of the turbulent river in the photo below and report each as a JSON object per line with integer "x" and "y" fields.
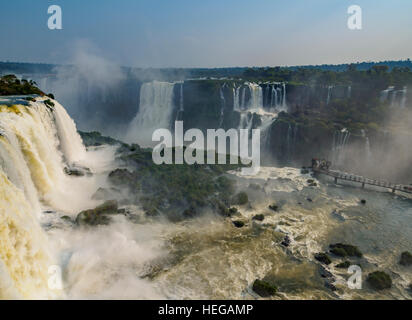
{"x": 202, "y": 258}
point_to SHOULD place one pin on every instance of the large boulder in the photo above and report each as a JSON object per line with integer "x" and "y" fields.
{"x": 406, "y": 259}
{"x": 263, "y": 288}
{"x": 379, "y": 280}
{"x": 98, "y": 215}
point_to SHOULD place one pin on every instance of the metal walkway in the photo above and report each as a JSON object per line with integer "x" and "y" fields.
{"x": 362, "y": 180}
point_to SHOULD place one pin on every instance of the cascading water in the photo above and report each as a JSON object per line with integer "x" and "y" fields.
{"x": 222, "y": 105}
{"x": 256, "y": 96}
{"x": 35, "y": 141}
{"x": 349, "y": 92}
{"x": 403, "y": 99}
{"x": 368, "y": 153}
{"x": 340, "y": 140}
{"x": 155, "y": 111}
{"x": 329, "y": 94}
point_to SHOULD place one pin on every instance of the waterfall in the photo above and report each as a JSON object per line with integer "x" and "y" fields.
{"x": 274, "y": 98}
{"x": 236, "y": 99}
{"x": 256, "y": 96}
{"x": 288, "y": 142}
{"x": 181, "y": 101}
{"x": 349, "y": 95}
{"x": 340, "y": 140}
{"x": 284, "y": 97}
{"x": 70, "y": 140}
{"x": 35, "y": 142}
{"x": 385, "y": 94}
{"x": 329, "y": 94}
{"x": 403, "y": 100}
{"x": 243, "y": 100}
{"x": 155, "y": 111}
{"x": 222, "y": 105}
{"x": 368, "y": 153}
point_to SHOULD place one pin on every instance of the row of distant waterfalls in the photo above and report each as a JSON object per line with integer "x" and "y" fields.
{"x": 161, "y": 103}
{"x": 396, "y": 98}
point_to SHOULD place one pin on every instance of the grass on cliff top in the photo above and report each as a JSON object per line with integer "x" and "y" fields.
{"x": 11, "y": 85}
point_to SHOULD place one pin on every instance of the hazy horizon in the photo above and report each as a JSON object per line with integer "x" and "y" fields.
{"x": 187, "y": 34}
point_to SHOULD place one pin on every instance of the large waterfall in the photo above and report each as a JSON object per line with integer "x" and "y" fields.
{"x": 155, "y": 111}
{"x": 36, "y": 143}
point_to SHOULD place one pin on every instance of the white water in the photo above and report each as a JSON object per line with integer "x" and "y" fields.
{"x": 340, "y": 140}
{"x": 35, "y": 145}
{"x": 155, "y": 112}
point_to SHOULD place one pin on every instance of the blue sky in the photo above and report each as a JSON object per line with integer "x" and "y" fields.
{"x": 212, "y": 33}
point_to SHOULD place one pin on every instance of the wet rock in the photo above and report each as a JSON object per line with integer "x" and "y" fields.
{"x": 67, "y": 219}
{"x": 304, "y": 171}
{"x": 379, "y": 280}
{"x": 323, "y": 258}
{"x": 233, "y": 211}
{"x": 98, "y": 215}
{"x": 343, "y": 265}
{"x": 286, "y": 241}
{"x": 309, "y": 200}
{"x": 406, "y": 259}
{"x": 240, "y": 199}
{"x": 238, "y": 224}
{"x": 259, "y": 217}
{"x": 345, "y": 250}
{"x": 330, "y": 286}
{"x": 274, "y": 207}
{"x": 263, "y": 288}
{"x": 122, "y": 211}
{"x": 363, "y": 201}
{"x": 326, "y": 274}
{"x": 77, "y": 172}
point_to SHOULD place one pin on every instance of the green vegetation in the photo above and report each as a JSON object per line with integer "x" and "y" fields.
{"x": 406, "y": 259}
{"x": 96, "y": 139}
{"x": 264, "y": 289}
{"x": 379, "y": 280}
{"x": 240, "y": 199}
{"x": 377, "y": 76}
{"x": 345, "y": 250}
{"x": 98, "y": 215}
{"x": 10, "y": 85}
{"x": 323, "y": 258}
{"x": 173, "y": 189}
{"x": 343, "y": 265}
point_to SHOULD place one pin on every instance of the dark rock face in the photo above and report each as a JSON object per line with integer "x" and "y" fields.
{"x": 78, "y": 171}
{"x": 286, "y": 241}
{"x": 379, "y": 280}
{"x": 345, "y": 250}
{"x": 98, "y": 215}
{"x": 274, "y": 207}
{"x": 258, "y": 217}
{"x": 323, "y": 258}
{"x": 238, "y": 224}
{"x": 264, "y": 289}
{"x": 326, "y": 274}
{"x": 406, "y": 259}
{"x": 330, "y": 286}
